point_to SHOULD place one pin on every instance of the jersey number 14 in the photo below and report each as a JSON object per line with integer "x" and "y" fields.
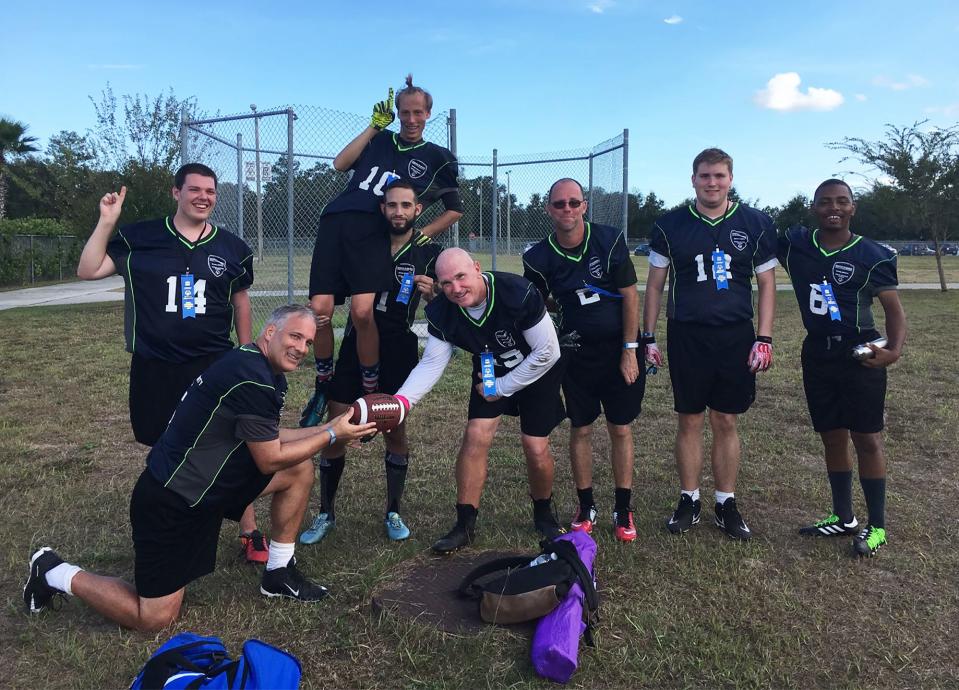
{"x": 199, "y": 295}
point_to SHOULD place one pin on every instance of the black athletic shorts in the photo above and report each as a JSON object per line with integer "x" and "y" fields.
{"x": 709, "y": 366}
{"x": 538, "y": 406}
{"x": 398, "y": 356}
{"x": 156, "y": 388}
{"x": 592, "y": 378}
{"x": 840, "y": 392}
{"x": 351, "y": 255}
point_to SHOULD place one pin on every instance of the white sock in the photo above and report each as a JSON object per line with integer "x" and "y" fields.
{"x": 694, "y": 494}
{"x": 61, "y": 577}
{"x": 280, "y": 555}
{"x": 721, "y": 496}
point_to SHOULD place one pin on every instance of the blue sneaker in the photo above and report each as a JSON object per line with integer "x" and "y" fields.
{"x": 322, "y": 525}
{"x": 396, "y": 529}
{"x": 316, "y": 407}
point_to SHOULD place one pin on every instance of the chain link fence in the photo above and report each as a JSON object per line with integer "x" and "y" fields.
{"x": 30, "y": 259}
{"x": 275, "y": 176}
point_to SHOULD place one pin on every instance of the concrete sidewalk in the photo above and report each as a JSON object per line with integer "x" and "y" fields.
{"x": 111, "y": 290}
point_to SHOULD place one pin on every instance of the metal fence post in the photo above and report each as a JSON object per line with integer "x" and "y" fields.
{"x": 494, "y": 223}
{"x": 589, "y": 208}
{"x": 289, "y": 201}
{"x": 184, "y": 137}
{"x": 259, "y": 188}
{"x": 60, "y": 256}
{"x": 626, "y": 186}
{"x": 451, "y": 138}
{"x": 32, "y": 260}
{"x": 239, "y": 185}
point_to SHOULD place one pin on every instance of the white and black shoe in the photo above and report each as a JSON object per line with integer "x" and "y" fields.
{"x": 36, "y": 592}
{"x": 289, "y": 582}
{"x": 685, "y": 516}
{"x": 731, "y": 522}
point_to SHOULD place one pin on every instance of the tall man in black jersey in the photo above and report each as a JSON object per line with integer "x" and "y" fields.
{"x": 412, "y": 271}
{"x": 186, "y": 283}
{"x": 501, "y": 319}
{"x": 352, "y": 253}
{"x": 586, "y": 269}
{"x": 836, "y": 274}
{"x": 710, "y": 251}
{"x": 223, "y": 448}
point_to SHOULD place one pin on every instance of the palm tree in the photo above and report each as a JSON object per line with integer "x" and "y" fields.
{"x": 13, "y": 142}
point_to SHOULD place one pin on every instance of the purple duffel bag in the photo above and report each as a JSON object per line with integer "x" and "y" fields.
{"x": 556, "y": 640}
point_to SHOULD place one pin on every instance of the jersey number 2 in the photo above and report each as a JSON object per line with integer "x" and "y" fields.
{"x": 199, "y": 293}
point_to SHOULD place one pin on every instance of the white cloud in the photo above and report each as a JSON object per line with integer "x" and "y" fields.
{"x": 675, "y": 19}
{"x": 782, "y": 93}
{"x": 910, "y": 82}
{"x": 599, "y": 6}
{"x": 860, "y": 97}
{"x": 950, "y": 110}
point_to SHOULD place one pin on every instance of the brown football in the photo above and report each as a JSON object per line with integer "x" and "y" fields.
{"x": 386, "y": 410}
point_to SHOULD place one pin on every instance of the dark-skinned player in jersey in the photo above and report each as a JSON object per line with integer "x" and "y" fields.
{"x": 411, "y": 270}
{"x": 836, "y": 274}
{"x": 352, "y": 253}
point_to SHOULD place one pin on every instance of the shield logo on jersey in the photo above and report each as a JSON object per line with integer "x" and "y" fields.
{"x": 596, "y": 267}
{"x": 417, "y": 168}
{"x": 402, "y": 269}
{"x": 216, "y": 265}
{"x": 842, "y": 272}
{"x": 738, "y": 239}
{"x": 505, "y": 339}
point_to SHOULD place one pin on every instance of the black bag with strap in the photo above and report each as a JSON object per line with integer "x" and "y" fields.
{"x": 531, "y": 586}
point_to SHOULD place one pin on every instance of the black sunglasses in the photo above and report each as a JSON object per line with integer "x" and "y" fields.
{"x": 573, "y": 203}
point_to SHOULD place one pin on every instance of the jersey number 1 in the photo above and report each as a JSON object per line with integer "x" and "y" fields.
{"x": 199, "y": 294}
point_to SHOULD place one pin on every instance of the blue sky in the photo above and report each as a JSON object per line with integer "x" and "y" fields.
{"x": 768, "y": 82}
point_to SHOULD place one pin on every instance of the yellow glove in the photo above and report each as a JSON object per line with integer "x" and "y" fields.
{"x": 383, "y": 113}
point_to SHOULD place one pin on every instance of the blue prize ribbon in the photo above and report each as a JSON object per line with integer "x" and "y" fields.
{"x": 406, "y": 289}
{"x": 830, "y": 299}
{"x": 187, "y": 296}
{"x": 489, "y": 376}
{"x": 719, "y": 269}
{"x": 389, "y": 178}
{"x": 601, "y": 291}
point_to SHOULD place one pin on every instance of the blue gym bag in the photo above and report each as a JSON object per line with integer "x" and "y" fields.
{"x": 193, "y": 661}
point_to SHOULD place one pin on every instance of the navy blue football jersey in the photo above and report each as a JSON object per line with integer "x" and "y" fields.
{"x": 584, "y": 281}
{"x": 688, "y": 239}
{"x": 202, "y": 455}
{"x": 513, "y": 305}
{"x": 857, "y": 272}
{"x": 417, "y": 257}
{"x": 431, "y": 169}
{"x": 151, "y": 256}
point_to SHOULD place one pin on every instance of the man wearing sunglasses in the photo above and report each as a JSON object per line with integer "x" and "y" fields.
{"x": 710, "y": 251}
{"x": 586, "y": 269}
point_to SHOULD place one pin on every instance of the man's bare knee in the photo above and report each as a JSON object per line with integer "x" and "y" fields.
{"x": 155, "y": 618}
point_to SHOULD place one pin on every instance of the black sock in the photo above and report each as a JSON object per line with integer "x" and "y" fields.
{"x": 623, "y": 499}
{"x": 542, "y": 507}
{"x": 875, "y": 492}
{"x": 396, "y": 466}
{"x": 331, "y": 469}
{"x": 585, "y": 499}
{"x": 841, "y": 485}
{"x": 466, "y": 515}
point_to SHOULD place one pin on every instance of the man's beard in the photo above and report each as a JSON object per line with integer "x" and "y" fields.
{"x": 404, "y": 229}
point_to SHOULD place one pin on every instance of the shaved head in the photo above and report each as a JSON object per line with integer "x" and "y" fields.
{"x": 452, "y": 259}
{"x": 460, "y": 278}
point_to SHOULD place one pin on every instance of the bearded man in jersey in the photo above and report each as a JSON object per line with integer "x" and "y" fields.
{"x": 412, "y": 271}
{"x": 499, "y": 318}
{"x": 836, "y": 275}
{"x": 586, "y": 270}
{"x": 186, "y": 283}
{"x": 710, "y": 251}
{"x": 352, "y": 253}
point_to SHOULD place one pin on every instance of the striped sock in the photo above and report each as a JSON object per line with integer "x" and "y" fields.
{"x": 324, "y": 368}
{"x": 371, "y": 377}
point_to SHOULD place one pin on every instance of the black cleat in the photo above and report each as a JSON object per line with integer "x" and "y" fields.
{"x": 316, "y": 407}
{"x": 869, "y": 541}
{"x": 289, "y": 582}
{"x": 685, "y": 516}
{"x": 36, "y": 592}
{"x": 831, "y": 526}
{"x": 455, "y": 539}
{"x": 731, "y": 522}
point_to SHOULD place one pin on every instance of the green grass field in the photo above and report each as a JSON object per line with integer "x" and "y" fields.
{"x": 691, "y": 611}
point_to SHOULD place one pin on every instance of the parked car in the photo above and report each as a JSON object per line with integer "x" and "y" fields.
{"x": 949, "y": 249}
{"x": 641, "y": 250}
{"x": 923, "y": 250}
